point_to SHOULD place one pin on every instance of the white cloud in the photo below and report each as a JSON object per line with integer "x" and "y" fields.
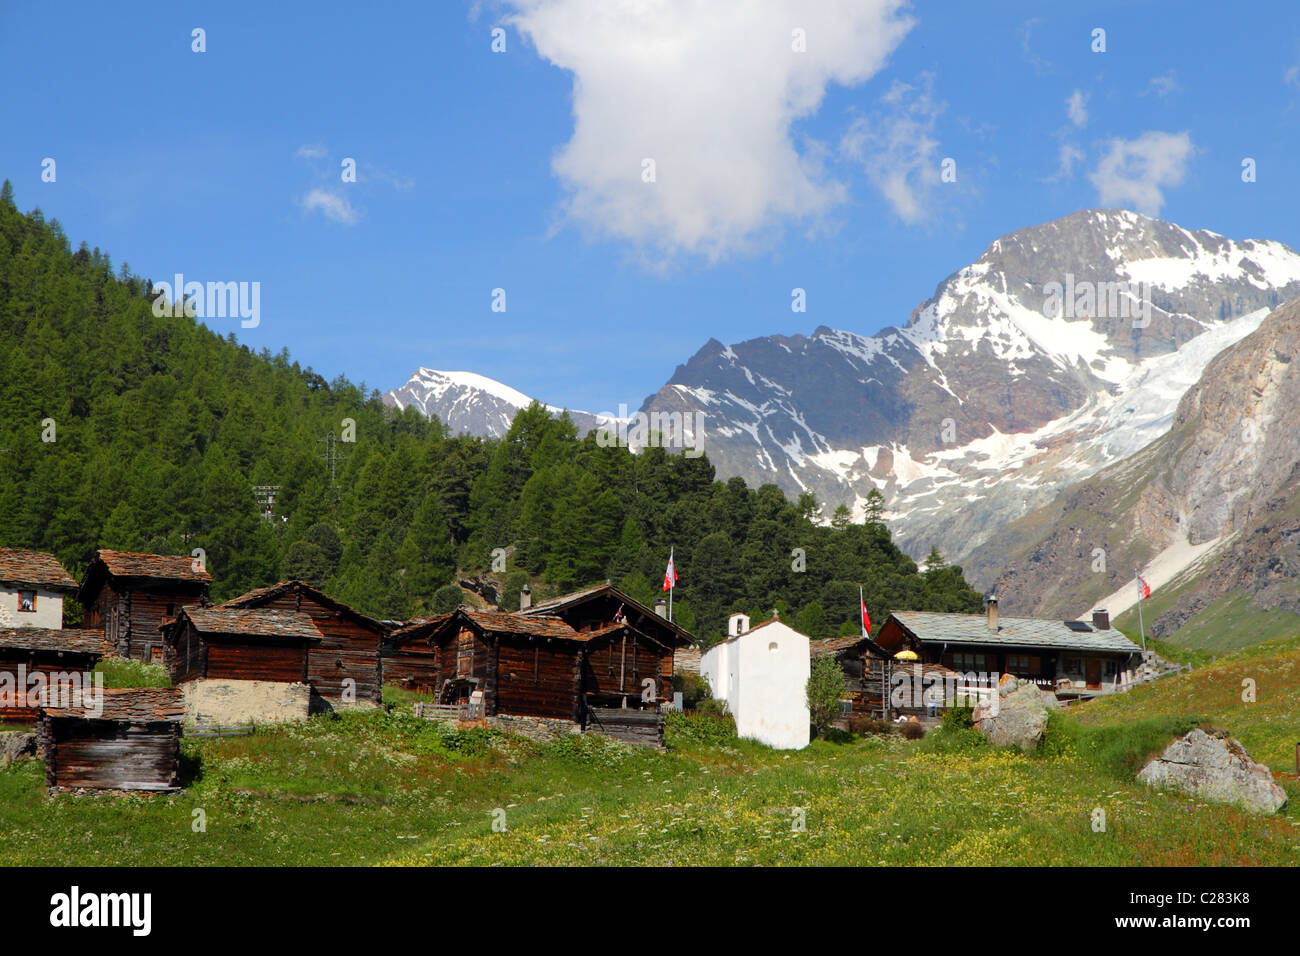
{"x": 1162, "y": 85}
{"x": 1076, "y": 107}
{"x": 311, "y": 152}
{"x": 1069, "y": 154}
{"x": 1137, "y": 171}
{"x": 709, "y": 91}
{"x": 898, "y": 148}
{"x": 331, "y": 205}
{"x": 1292, "y": 76}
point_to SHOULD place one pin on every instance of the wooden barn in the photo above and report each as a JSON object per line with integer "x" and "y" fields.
{"x": 345, "y": 666}
{"x": 239, "y": 644}
{"x": 536, "y": 663}
{"x": 129, "y": 595}
{"x": 605, "y": 604}
{"x": 133, "y": 743}
{"x": 32, "y": 587}
{"x": 55, "y": 654}
{"x": 853, "y": 655}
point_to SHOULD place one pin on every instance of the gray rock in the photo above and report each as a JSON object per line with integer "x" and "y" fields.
{"x": 1017, "y": 720}
{"x": 1216, "y": 769}
{"x": 15, "y": 746}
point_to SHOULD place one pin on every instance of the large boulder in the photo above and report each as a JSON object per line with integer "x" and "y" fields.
{"x": 15, "y": 746}
{"x": 1217, "y": 769}
{"x": 1016, "y": 717}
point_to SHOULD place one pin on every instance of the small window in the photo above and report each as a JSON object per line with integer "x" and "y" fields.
{"x": 846, "y": 708}
{"x": 772, "y": 648}
{"x": 27, "y": 600}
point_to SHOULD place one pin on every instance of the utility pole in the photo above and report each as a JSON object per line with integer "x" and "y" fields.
{"x": 332, "y": 457}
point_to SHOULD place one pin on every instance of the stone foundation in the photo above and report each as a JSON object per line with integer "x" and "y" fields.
{"x": 541, "y": 729}
{"x": 233, "y": 703}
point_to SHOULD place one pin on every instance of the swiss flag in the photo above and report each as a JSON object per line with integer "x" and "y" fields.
{"x": 670, "y": 575}
{"x": 866, "y": 620}
{"x": 1144, "y": 589}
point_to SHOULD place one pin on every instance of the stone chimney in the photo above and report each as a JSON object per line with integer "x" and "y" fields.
{"x": 1101, "y": 619}
{"x": 737, "y": 624}
{"x": 991, "y": 607}
{"x": 525, "y": 598}
{"x": 661, "y": 607}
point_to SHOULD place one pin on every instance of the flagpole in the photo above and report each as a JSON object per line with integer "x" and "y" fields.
{"x": 862, "y": 625}
{"x": 672, "y": 583}
{"x": 1141, "y": 627}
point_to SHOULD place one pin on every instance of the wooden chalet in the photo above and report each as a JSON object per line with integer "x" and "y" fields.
{"x": 33, "y": 585}
{"x": 53, "y": 653}
{"x": 129, "y": 595}
{"x": 345, "y": 666}
{"x": 1072, "y": 658}
{"x": 563, "y": 659}
{"x": 239, "y": 644}
{"x": 132, "y": 743}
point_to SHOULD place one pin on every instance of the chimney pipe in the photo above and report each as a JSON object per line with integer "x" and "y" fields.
{"x": 1101, "y": 619}
{"x": 525, "y": 598}
{"x": 661, "y": 607}
{"x": 991, "y": 605}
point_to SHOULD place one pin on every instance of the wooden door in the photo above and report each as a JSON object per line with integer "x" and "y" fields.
{"x": 1093, "y": 673}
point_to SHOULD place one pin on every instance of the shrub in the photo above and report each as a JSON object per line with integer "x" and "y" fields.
{"x": 826, "y": 688}
{"x": 912, "y": 730}
{"x": 694, "y": 689}
{"x": 699, "y": 727}
{"x": 958, "y": 718}
{"x": 862, "y": 726}
{"x": 714, "y": 708}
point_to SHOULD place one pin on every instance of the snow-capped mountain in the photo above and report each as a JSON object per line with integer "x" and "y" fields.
{"x": 1062, "y": 349}
{"x": 472, "y": 403}
{"x": 1209, "y": 512}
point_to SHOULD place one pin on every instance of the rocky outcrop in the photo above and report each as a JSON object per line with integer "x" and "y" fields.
{"x": 1017, "y": 717}
{"x": 16, "y": 746}
{"x": 1229, "y": 470}
{"x": 1216, "y": 769}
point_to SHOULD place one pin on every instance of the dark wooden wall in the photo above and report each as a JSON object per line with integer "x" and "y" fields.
{"x": 48, "y": 663}
{"x": 536, "y": 678}
{"x": 635, "y": 657}
{"x": 350, "y": 649}
{"x": 102, "y": 754}
{"x": 131, "y": 615}
{"x": 235, "y": 658}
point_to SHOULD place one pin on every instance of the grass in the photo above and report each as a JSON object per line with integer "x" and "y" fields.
{"x": 1268, "y": 726}
{"x": 124, "y": 673}
{"x": 387, "y": 788}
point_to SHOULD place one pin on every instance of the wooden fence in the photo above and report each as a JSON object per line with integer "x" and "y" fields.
{"x": 644, "y": 727}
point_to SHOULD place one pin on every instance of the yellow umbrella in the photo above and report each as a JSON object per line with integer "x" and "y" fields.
{"x": 907, "y": 656}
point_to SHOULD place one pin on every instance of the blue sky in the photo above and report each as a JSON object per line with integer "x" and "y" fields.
{"x": 776, "y": 168}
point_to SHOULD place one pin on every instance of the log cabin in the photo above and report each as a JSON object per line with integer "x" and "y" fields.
{"x": 33, "y": 585}
{"x": 31, "y": 657}
{"x": 344, "y": 668}
{"x": 129, "y": 595}
{"x": 539, "y": 664}
{"x": 855, "y": 655}
{"x": 238, "y": 644}
{"x": 133, "y": 743}
{"x": 1071, "y": 658}
{"x": 606, "y": 604}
